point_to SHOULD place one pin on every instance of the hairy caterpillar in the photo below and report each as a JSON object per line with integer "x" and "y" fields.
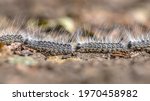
{"x": 117, "y": 39}
{"x": 49, "y": 48}
{"x": 138, "y": 39}
{"x": 55, "y": 45}
{"x": 95, "y": 47}
{"x": 8, "y": 39}
{"x": 100, "y": 43}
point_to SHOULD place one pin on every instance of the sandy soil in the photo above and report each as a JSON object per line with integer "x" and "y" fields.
{"x": 82, "y": 68}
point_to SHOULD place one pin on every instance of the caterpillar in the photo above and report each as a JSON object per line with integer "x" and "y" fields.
{"x": 8, "y": 39}
{"x": 96, "y": 47}
{"x": 139, "y": 40}
{"x": 36, "y": 41}
{"x": 49, "y": 48}
{"x": 78, "y": 42}
{"x": 100, "y": 43}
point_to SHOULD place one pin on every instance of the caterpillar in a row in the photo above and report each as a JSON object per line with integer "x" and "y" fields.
{"x": 92, "y": 44}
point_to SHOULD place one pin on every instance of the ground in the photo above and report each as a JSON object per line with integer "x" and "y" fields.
{"x": 82, "y": 68}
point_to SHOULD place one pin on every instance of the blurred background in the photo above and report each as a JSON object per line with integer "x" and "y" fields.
{"x": 76, "y": 12}
{"x": 69, "y": 15}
